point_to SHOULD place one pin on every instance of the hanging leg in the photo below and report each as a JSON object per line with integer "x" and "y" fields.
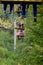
{"x": 23, "y": 10}
{"x": 5, "y": 7}
{"x": 11, "y": 12}
{"x": 11, "y": 7}
{"x": 35, "y": 12}
{"x": 27, "y": 6}
{"x": 19, "y": 10}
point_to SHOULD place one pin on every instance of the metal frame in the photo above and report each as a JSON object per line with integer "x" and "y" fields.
{"x": 19, "y": 2}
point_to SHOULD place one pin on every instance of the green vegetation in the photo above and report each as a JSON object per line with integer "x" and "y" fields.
{"x": 28, "y": 52}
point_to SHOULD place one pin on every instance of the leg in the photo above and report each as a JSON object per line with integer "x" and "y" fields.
{"x": 23, "y": 10}
{"x": 11, "y": 7}
{"x": 35, "y": 11}
{"x": 5, "y": 7}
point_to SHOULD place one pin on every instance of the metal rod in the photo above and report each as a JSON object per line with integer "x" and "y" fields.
{"x": 14, "y": 36}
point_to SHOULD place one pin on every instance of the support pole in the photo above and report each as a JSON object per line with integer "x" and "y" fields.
{"x": 14, "y": 24}
{"x": 14, "y": 36}
{"x": 13, "y": 21}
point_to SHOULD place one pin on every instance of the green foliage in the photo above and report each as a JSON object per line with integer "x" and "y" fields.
{"x": 30, "y": 51}
{"x": 3, "y": 52}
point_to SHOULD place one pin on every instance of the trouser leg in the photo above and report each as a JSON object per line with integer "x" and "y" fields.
{"x": 35, "y": 12}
